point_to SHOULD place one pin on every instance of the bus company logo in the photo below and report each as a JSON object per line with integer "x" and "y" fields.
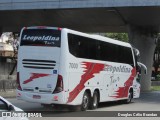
{"x": 40, "y": 38}
{"x": 120, "y": 68}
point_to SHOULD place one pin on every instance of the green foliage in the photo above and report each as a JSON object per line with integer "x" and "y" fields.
{"x": 118, "y": 36}
{"x": 155, "y": 88}
{"x": 158, "y": 77}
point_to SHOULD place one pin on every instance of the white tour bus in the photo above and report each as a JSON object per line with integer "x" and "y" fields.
{"x": 64, "y": 67}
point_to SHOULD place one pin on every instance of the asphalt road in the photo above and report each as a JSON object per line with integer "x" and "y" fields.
{"x": 147, "y": 102}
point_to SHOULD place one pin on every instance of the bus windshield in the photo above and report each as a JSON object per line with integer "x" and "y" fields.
{"x": 41, "y": 37}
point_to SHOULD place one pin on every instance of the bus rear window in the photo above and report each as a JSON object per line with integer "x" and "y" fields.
{"x": 41, "y": 37}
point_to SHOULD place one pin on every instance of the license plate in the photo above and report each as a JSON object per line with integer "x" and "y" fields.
{"x": 36, "y": 97}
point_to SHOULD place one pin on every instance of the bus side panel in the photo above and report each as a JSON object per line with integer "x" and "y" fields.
{"x": 86, "y": 75}
{"x": 75, "y": 87}
{"x": 112, "y": 84}
{"x": 116, "y": 83}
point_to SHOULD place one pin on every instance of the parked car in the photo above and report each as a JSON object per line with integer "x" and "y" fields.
{"x": 6, "y": 108}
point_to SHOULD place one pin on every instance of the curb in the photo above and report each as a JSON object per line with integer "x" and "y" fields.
{"x": 8, "y": 94}
{"x": 9, "y": 97}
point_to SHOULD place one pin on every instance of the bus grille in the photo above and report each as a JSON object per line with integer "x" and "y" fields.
{"x": 40, "y": 91}
{"x": 28, "y": 89}
{"x": 38, "y": 64}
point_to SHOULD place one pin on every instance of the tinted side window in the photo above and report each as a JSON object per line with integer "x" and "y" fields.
{"x": 129, "y": 57}
{"x": 109, "y": 52}
{"x": 73, "y": 44}
{"x": 83, "y": 47}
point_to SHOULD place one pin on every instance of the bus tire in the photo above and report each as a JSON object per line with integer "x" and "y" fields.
{"x": 94, "y": 101}
{"x": 85, "y": 101}
{"x": 129, "y": 99}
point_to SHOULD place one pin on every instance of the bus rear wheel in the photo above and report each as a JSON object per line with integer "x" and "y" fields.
{"x": 85, "y": 101}
{"x": 94, "y": 101}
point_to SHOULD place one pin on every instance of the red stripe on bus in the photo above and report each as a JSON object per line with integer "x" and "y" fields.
{"x": 35, "y": 76}
{"x": 91, "y": 69}
{"x": 123, "y": 91}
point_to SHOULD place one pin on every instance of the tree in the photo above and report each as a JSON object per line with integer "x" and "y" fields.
{"x": 118, "y": 36}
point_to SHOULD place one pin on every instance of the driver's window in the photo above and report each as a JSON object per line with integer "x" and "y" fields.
{"x": 3, "y": 105}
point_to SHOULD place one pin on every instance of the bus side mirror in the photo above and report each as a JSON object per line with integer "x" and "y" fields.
{"x": 143, "y": 66}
